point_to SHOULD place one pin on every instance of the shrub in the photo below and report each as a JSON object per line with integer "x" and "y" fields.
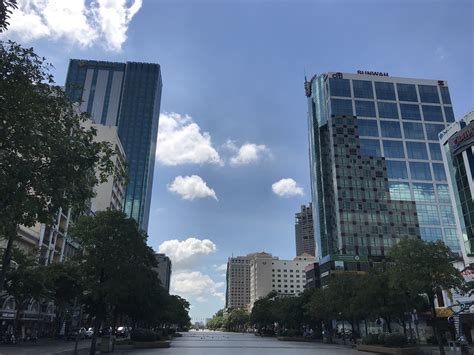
{"x": 390, "y": 340}
{"x": 141, "y": 334}
{"x": 291, "y": 333}
{"x": 371, "y": 339}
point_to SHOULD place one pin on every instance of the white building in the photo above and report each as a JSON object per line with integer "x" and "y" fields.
{"x": 268, "y": 273}
{"x": 238, "y": 282}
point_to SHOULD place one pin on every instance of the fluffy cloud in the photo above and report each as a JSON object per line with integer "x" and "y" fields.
{"x": 191, "y": 187}
{"x": 287, "y": 188}
{"x": 180, "y": 141}
{"x": 222, "y": 267}
{"x": 76, "y": 21}
{"x": 248, "y": 153}
{"x": 186, "y": 254}
{"x": 196, "y": 284}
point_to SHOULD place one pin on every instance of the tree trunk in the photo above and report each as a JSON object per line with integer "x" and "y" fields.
{"x": 97, "y": 324}
{"x": 10, "y": 233}
{"x": 435, "y": 327}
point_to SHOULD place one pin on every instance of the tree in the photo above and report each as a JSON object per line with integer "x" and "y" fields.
{"x": 236, "y": 319}
{"x": 263, "y": 312}
{"x": 425, "y": 268}
{"x": 6, "y": 9}
{"x": 48, "y": 160}
{"x": 116, "y": 257}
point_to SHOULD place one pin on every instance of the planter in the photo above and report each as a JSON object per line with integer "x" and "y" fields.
{"x": 151, "y": 344}
{"x": 384, "y": 350}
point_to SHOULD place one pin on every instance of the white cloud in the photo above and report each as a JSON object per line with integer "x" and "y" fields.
{"x": 180, "y": 141}
{"x": 186, "y": 254}
{"x": 191, "y": 187}
{"x": 79, "y": 22}
{"x": 287, "y": 188}
{"x": 248, "y": 153}
{"x": 196, "y": 284}
{"x": 222, "y": 267}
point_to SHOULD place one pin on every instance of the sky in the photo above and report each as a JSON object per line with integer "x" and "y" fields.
{"x": 232, "y": 158}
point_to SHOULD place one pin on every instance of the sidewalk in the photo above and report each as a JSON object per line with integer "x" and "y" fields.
{"x": 45, "y": 347}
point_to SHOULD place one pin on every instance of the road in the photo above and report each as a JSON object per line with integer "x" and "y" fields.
{"x": 217, "y": 343}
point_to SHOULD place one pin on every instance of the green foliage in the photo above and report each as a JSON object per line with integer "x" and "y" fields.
{"x": 390, "y": 340}
{"x": 6, "y": 9}
{"x": 141, "y": 334}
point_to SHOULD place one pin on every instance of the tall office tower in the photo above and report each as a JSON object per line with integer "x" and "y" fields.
{"x": 164, "y": 270}
{"x": 377, "y": 172}
{"x": 304, "y": 231}
{"x": 458, "y": 143}
{"x": 238, "y": 282}
{"x": 126, "y": 95}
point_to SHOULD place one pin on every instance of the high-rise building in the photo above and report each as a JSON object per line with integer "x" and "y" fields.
{"x": 238, "y": 282}
{"x": 126, "y": 95}
{"x": 304, "y": 231}
{"x": 377, "y": 172}
{"x": 164, "y": 270}
{"x": 285, "y": 277}
{"x": 458, "y": 150}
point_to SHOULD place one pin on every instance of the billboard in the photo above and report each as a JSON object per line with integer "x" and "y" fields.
{"x": 462, "y": 140}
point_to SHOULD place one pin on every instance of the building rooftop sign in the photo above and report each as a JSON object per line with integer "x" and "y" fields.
{"x": 376, "y": 73}
{"x": 462, "y": 140}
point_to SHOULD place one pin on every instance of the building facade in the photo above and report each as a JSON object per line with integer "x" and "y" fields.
{"x": 164, "y": 270}
{"x": 285, "y": 277}
{"x": 238, "y": 282}
{"x": 457, "y": 142}
{"x": 377, "y": 172}
{"x": 304, "y": 231}
{"x": 126, "y": 95}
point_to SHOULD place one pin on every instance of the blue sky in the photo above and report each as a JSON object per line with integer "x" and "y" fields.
{"x": 233, "y": 76}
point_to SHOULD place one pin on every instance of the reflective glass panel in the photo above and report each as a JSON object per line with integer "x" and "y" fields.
{"x": 365, "y": 108}
{"x": 399, "y": 191}
{"x": 427, "y": 214}
{"x": 387, "y": 109}
{"x": 385, "y": 91}
{"x": 340, "y": 87}
{"x": 424, "y": 192}
{"x": 393, "y": 149}
{"x": 439, "y": 172}
{"x": 447, "y": 215}
{"x": 420, "y": 171}
{"x": 362, "y": 89}
{"x": 410, "y": 112}
{"x": 417, "y": 150}
{"x": 368, "y": 128}
{"x": 341, "y": 107}
{"x": 370, "y": 147}
{"x": 431, "y": 234}
{"x": 390, "y": 129}
{"x": 396, "y": 169}
{"x": 443, "y": 193}
{"x": 428, "y": 93}
{"x": 432, "y": 113}
{"x": 435, "y": 151}
{"x": 448, "y": 112}
{"x": 413, "y": 130}
{"x": 445, "y": 95}
{"x": 451, "y": 239}
{"x": 432, "y": 131}
{"x": 407, "y": 92}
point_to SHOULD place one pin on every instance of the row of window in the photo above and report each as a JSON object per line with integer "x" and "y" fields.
{"x": 392, "y": 129}
{"x": 397, "y": 170}
{"x": 387, "y": 91}
{"x": 419, "y": 192}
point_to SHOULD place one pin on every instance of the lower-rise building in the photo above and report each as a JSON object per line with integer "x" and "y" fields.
{"x": 238, "y": 282}
{"x": 164, "y": 270}
{"x": 304, "y": 231}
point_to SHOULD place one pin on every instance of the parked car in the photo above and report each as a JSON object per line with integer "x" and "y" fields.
{"x": 122, "y": 332}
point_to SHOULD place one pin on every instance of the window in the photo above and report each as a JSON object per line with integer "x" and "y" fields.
{"x": 387, "y": 110}
{"x": 385, "y": 91}
{"x": 445, "y": 95}
{"x": 432, "y": 113}
{"x": 413, "y": 130}
{"x": 370, "y": 147}
{"x": 362, "y": 89}
{"x": 448, "y": 112}
{"x": 365, "y": 108}
{"x": 407, "y": 92}
{"x": 417, "y": 150}
{"x": 432, "y": 131}
{"x": 428, "y": 93}
{"x": 340, "y": 87}
{"x": 439, "y": 172}
{"x": 420, "y": 171}
{"x": 399, "y": 191}
{"x": 443, "y": 193}
{"x": 431, "y": 234}
{"x": 410, "y": 112}
{"x": 424, "y": 192}
{"x": 341, "y": 107}
{"x": 447, "y": 215}
{"x": 368, "y": 128}
{"x": 435, "y": 151}
{"x": 427, "y": 214}
{"x": 396, "y": 169}
{"x": 451, "y": 239}
{"x": 393, "y": 149}
{"x": 390, "y": 129}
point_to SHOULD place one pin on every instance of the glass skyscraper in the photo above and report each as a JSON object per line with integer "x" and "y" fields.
{"x": 126, "y": 95}
{"x": 377, "y": 172}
